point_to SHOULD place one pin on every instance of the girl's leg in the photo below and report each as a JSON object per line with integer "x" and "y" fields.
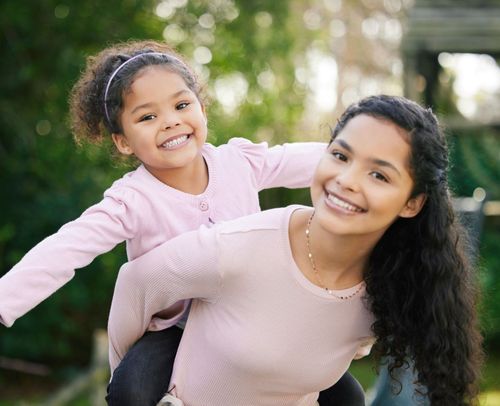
{"x": 142, "y": 377}
{"x": 346, "y": 392}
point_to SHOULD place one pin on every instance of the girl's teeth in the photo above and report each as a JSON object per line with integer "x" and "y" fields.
{"x": 173, "y": 143}
{"x": 342, "y": 204}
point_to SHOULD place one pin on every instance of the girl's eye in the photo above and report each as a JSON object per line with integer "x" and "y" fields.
{"x": 379, "y": 176}
{"x": 182, "y": 105}
{"x": 339, "y": 155}
{"x": 147, "y": 117}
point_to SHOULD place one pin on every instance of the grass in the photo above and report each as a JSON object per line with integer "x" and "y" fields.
{"x": 490, "y": 385}
{"x": 21, "y": 389}
{"x": 364, "y": 372}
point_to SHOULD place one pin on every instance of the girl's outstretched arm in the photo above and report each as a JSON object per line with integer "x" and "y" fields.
{"x": 289, "y": 165}
{"x": 52, "y": 262}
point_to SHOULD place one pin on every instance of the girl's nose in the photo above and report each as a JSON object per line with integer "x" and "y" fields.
{"x": 170, "y": 124}
{"x": 171, "y": 121}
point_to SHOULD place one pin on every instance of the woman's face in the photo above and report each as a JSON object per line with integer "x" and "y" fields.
{"x": 362, "y": 183}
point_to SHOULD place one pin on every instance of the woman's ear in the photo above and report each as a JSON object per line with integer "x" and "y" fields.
{"x": 413, "y": 206}
{"x": 121, "y": 144}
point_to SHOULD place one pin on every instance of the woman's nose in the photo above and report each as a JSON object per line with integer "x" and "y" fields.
{"x": 348, "y": 179}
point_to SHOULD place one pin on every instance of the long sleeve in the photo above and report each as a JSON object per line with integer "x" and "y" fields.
{"x": 182, "y": 268}
{"x": 52, "y": 263}
{"x": 237, "y": 348}
{"x": 288, "y": 165}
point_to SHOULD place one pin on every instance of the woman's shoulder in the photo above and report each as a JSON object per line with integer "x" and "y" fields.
{"x": 271, "y": 219}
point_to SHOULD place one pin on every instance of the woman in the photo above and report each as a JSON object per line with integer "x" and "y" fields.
{"x": 285, "y": 299}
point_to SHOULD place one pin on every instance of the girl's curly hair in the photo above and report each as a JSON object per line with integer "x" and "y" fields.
{"x": 92, "y": 117}
{"x": 421, "y": 286}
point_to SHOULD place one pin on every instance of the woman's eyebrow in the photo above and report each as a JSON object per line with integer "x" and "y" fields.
{"x": 376, "y": 161}
{"x": 381, "y": 162}
{"x": 343, "y": 144}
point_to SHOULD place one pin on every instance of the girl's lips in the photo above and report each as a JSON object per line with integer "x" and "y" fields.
{"x": 343, "y": 204}
{"x": 175, "y": 142}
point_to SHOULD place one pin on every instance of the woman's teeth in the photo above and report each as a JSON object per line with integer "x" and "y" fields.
{"x": 344, "y": 205}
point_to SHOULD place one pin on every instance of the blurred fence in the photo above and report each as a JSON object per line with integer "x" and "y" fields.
{"x": 92, "y": 382}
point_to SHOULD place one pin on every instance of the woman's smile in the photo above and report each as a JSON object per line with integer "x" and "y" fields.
{"x": 338, "y": 202}
{"x": 363, "y": 184}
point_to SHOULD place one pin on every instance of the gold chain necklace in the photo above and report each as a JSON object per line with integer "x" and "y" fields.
{"x": 315, "y": 270}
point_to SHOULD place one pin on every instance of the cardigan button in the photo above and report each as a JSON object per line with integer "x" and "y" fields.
{"x": 203, "y": 206}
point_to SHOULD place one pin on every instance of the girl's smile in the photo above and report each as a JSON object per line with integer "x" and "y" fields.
{"x": 175, "y": 142}
{"x": 164, "y": 126}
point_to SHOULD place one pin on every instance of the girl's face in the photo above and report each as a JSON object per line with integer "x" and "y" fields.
{"x": 164, "y": 123}
{"x": 362, "y": 183}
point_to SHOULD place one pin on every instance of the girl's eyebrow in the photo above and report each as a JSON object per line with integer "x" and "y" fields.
{"x": 141, "y": 106}
{"x": 379, "y": 162}
{"x": 180, "y": 93}
{"x": 149, "y": 104}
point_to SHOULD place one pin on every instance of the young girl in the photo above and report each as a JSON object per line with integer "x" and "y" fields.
{"x": 290, "y": 296}
{"x": 147, "y": 99}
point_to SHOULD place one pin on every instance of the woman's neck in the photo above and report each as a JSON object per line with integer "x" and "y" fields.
{"x": 192, "y": 178}
{"x": 340, "y": 260}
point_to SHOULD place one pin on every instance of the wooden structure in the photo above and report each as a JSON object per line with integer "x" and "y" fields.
{"x": 435, "y": 26}
{"x": 455, "y": 26}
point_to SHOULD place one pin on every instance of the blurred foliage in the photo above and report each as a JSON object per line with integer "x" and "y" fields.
{"x": 475, "y": 163}
{"x": 255, "y": 46}
{"x": 47, "y": 181}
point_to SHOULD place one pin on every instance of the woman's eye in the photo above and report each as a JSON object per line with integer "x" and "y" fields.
{"x": 339, "y": 155}
{"x": 182, "y": 105}
{"x": 147, "y": 117}
{"x": 379, "y": 176}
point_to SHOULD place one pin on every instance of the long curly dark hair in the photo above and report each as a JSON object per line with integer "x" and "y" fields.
{"x": 94, "y": 114}
{"x": 421, "y": 286}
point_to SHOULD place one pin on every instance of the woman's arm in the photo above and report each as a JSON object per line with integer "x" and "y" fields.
{"x": 182, "y": 268}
